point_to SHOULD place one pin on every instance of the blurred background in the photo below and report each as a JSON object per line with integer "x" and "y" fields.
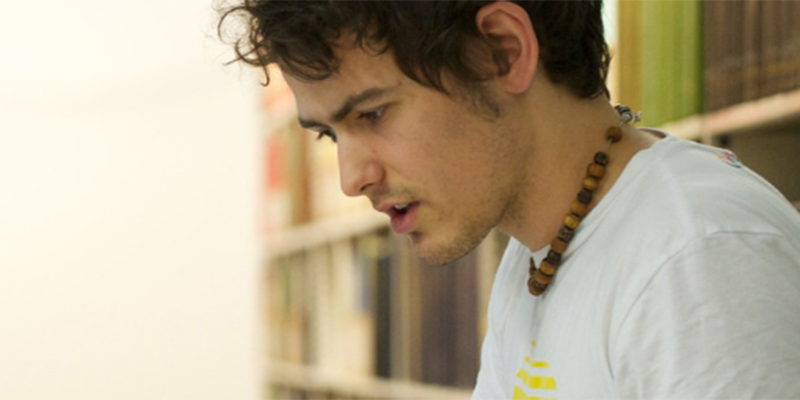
{"x": 168, "y": 231}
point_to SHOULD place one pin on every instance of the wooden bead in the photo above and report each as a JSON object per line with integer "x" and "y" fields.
{"x": 548, "y": 268}
{"x": 565, "y": 234}
{"x": 596, "y": 170}
{"x": 601, "y": 158}
{"x": 590, "y": 183}
{"x": 572, "y": 221}
{"x": 531, "y": 268}
{"x": 585, "y": 196}
{"x": 542, "y": 278}
{"x": 614, "y": 134}
{"x": 553, "y": 258}
{"x": 535, "y": 288}
{"x": 558, "y": 246}
{"x": 578, "y": 209}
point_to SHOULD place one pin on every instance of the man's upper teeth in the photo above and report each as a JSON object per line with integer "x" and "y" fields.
{"x": 400, "y": 206}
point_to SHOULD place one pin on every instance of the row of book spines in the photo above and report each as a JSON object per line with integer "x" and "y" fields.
{"x": 687, "y": 57}
{"x": 752, "y": 50}
{"x": 339, "y": 308}
{"x": 304, "y": 297}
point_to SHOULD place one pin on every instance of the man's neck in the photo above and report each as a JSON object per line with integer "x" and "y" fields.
{"x": 565, "y": 133}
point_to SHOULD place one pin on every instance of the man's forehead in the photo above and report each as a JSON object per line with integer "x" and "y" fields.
{"x": 359, "y": 73}
{"x": 314, "y": 97}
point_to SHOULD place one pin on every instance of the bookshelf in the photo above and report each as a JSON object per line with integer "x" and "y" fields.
{"x": 351, "y": 313}
{"x": 732, "y": 67}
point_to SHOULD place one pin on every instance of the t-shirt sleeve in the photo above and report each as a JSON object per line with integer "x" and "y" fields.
{"x": 720, "y": 319}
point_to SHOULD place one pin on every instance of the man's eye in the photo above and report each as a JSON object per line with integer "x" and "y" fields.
{"x": 329, "y": 133}
{"x": 373, "y": 115}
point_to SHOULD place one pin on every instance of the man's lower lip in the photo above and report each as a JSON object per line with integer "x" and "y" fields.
{"x": 404, "y": 223}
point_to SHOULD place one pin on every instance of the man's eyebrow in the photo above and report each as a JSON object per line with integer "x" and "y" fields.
{"x": 351, "y": 102}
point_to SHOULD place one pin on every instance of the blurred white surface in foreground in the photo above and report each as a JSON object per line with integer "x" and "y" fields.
{"x": 128, "y": 187}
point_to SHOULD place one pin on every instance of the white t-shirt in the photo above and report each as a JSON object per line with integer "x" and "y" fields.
{"x": 683, "y": 282}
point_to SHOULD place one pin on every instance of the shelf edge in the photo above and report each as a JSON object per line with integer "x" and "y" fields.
{"x": 317, "y": 380}
{"x": 316, "y": 233}
{"x": 738, "y": 118}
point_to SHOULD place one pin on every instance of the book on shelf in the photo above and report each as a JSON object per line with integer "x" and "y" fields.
{"x": 276, "y": 201}
{"x": 286, "y": 186}
{"x": 660, "y": 58}
{"x": 449, "y": 323}
{"x": 353, "y": 315}
{"x": 285, "y": 310}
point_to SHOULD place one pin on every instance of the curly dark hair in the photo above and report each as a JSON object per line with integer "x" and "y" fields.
{"x": 426, "y": 37}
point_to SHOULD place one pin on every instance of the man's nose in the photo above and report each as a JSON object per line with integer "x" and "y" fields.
{"x": 359, "y": 168}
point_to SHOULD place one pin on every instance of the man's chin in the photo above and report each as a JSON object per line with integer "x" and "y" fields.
{"x": 437, "y": 254}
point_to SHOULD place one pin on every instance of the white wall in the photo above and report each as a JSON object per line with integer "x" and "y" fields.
{"x": 129, "y": 161}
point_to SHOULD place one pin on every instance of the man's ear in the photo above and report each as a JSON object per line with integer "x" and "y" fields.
{"x": 508, "y": 26}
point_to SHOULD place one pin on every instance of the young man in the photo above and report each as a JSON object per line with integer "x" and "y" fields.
{"x": 640, "y": 265}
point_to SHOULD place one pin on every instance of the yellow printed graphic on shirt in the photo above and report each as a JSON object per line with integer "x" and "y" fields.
{"x": 533, "y": 376}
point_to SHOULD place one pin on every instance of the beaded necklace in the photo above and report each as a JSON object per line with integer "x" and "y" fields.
{"x": 539, "y": 278}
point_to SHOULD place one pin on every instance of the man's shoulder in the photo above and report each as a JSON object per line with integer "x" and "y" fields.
{"x": 686, "y": 194}
{"x": 699, "y": 190}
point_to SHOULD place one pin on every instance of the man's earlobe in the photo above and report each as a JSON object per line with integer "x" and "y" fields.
{"x": 508, "y": 26}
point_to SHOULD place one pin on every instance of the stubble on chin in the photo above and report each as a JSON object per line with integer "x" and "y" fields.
{"x": 437, "y": 254}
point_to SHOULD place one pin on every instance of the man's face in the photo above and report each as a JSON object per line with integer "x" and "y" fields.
{"x": 444, "y": 169}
